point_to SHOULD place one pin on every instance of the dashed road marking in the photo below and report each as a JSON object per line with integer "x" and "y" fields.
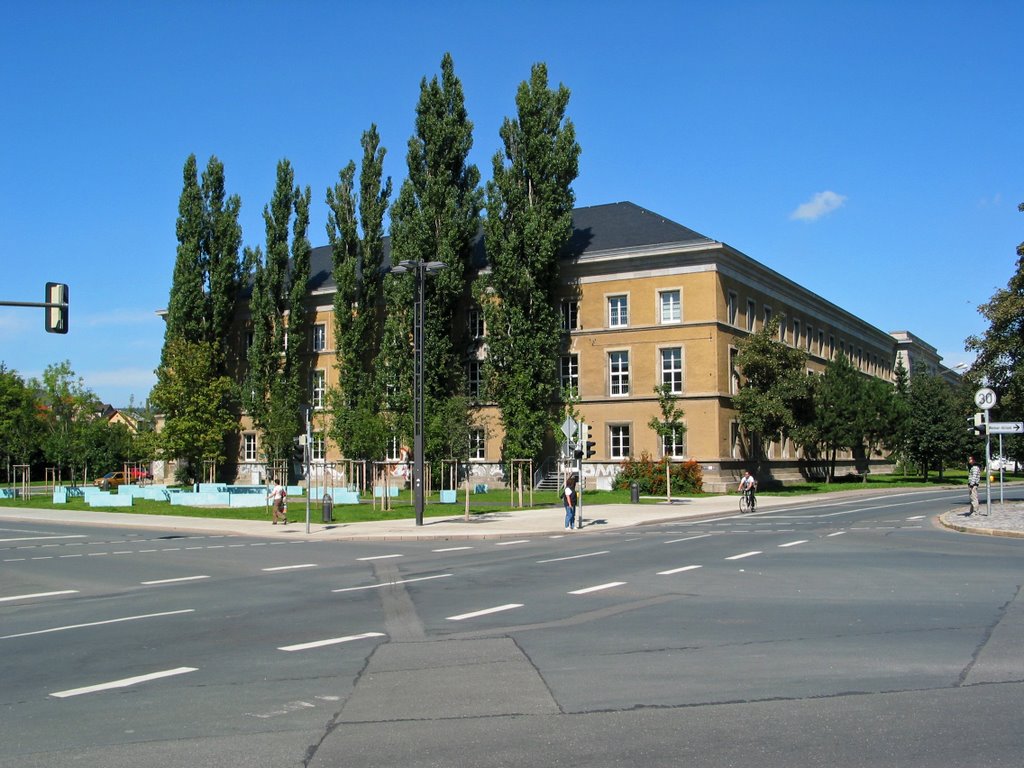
{"x": 574, "y": 557}
{"x": 598, "y": 588}
{"x": 97, "y": 623}
{"x": 329, "y": 641}
{"x": 173, "y": 581}
{"x": 123, "y": 683}
{"x": 392, "y": 583}
{"x": 744, "y": 555}
{"x": 34, "y": 595}
{"x": 485, "y": 611}
{"x": 680, "y": 570}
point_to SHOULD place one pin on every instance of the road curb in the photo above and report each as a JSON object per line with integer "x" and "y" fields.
{"x": 976, "y": 529}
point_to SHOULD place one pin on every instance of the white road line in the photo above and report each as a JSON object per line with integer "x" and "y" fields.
{"x": 98, "y": 554}
{"x": 450, "y": 549}
{"x": 79, "y": 555}
{"x": 392, "y": 583}
{"x": 574, "y": 557}
{"x": 917, "y": 517}
{"x": 15, "y": 560}
{"x": 331, "y": 641}
{"x": 38, "y": 594}
{"x": 123, "y": 683}
{"x": 680, "y": 570}
{"x": 46, "y": 538}
{"x": 689, "y": 538}
{"x": 485, "y": 611}
{"x": 837, "y": 533}
{"x": 377, "y": 557}
{"x": 174, "y": 581}
{"x": 792, "y": 543}
{"x": 97, "y": 623}
{"x": 587, "y": 590}
{"x": 290, "y": 567}
{"x": 745, "y": 554}
{"x": 509, "y": 543}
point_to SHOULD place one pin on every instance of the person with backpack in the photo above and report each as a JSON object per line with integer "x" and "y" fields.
{"x": 569, "y": 501}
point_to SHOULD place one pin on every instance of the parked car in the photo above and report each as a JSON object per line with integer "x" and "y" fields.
{"x": 137, "y": 473}
{"x": 1005, "y": 463}
{"x": 110, "y": 480}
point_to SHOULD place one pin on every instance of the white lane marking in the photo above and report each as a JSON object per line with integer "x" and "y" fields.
{"x": 509, "y": 543}
{"x": 837, "y": 533}
{"x": 917, "y": 517}
{"x": 745, "y": 554}
{"x": 574, "y": 557}
{"x": 450, "y": 549}
{"x": 124, "y": 683}
{"x": 392, "y": 583}
{"x": 290, "y": 567}
{"x": 98, "y": 554}
{"x": 15, "y": 560}
{"x": 174, "y": 581}
{"x": 792, "y": 543}
{"x": 689, "y": 538}
{"x": 587, "y": 590}
{"x": 377, "y": 557}
{"x": 79, "y": 555}
{"x": 46, "y": 538}
{"x": 680, "y": 570}
{"x": 45, "y": 557}
{"x": 330, "y": 641}
{"x": 97, "y": 623}
{"x": 485, "y": 611}
{"x": 38, "y": 594}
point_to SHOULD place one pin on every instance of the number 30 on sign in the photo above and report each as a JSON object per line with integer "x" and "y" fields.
{"x": 985, "y": 398}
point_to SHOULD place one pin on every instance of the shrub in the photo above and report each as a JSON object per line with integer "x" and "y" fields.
{"x": 687, "y": 476}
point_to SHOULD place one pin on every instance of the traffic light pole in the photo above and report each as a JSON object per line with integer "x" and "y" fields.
{"x": 988, "y": 467}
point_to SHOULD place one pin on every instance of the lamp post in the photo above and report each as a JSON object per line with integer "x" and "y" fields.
{"x": 421, "y": 269}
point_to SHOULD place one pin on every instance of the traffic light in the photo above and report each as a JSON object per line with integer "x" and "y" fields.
{"x": 588, "y": 446}
{"x": 977, "y": 424}
{"x": 57, "y": 314}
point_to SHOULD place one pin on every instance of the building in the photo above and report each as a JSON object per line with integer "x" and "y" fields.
{"x": 645, "y": 301}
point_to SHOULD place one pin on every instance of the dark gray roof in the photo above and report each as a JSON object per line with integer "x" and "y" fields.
{"x": 596, "y": 228}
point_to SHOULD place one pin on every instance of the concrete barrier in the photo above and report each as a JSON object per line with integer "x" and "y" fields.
{"x": 8, "y": 493}
{"x": 108, "y": 499}
{"x": 448, "y": 497}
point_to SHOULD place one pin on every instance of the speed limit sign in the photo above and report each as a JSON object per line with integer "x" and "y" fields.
{"x": 985, "y": 398}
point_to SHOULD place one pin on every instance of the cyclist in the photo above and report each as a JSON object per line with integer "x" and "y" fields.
{"x": 747, "y": 486}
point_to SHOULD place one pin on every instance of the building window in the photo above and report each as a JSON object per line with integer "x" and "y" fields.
{"x": 569, "y": 372}
{"x": 316, "y": 449}
{"x": 672, "y": 369}
{"x": 751, "y": 310}
{"x": 831, "y": 347}
{"x": 671, "y": 307}
{"x": 570, "y": 314}
{"x": 821, "y": 342}
{"x": 475, "y": 323}
{"x": 477, "y": 444}
{"x": 810, "y": 337}
{"x": 618, "y": 368}
{"x": 796, "y": 334}
{"x": 319, "y": 337}
{"x": 731, "y": 308}
{"x": 249, "y": 446}
{"x": 674, "y": 444}
{"x": 734, "y": 374}
{"x": 767, "y": 316}
{"x": 319, "y": 388}
{"x": 618, "y": 443}
{"x": 395, "y": 451}
{"x": 618, "y": 311}
{"x": 782, "y": 328}
{"x": 734, "y": 439}
{"x": 474, "y": 371}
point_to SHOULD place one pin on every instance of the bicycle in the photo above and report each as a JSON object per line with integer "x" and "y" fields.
{"x": 748, "y": 502}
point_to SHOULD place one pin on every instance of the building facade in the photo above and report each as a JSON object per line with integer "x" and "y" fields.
{"x": 644, "y": 301}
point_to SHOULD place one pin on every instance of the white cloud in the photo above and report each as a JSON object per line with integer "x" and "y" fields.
{"x": 819, "y": 205}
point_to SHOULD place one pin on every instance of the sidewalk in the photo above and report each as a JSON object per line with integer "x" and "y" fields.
{"x": 1006, "y": 520}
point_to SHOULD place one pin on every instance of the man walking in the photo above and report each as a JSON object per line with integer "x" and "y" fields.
{"x": 973, "y": 478}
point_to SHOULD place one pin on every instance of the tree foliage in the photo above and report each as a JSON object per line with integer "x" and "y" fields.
{"x": 935, "y": 423}
{"x": 358, "y": 424}
{"x": 529, "y": 221}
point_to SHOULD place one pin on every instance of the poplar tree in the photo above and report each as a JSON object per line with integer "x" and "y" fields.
{"x": 529, "y": 221}
{"x": 435, "y": 218}
{"x": 186, "y": 308}
{"x": 357, "y": 425}
{"x": 274, "y": 387}
{"x": 221, "y": 242}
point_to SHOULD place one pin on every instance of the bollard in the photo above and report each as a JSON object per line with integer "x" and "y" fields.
{"x": 327, "y": 504}
{"x": 634, "y": 492}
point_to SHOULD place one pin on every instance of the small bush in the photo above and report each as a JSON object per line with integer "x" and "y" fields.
{"x": 687, "y": 476}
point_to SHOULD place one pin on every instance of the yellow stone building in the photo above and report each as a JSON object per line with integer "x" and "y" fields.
{"x": 644, "y": 301}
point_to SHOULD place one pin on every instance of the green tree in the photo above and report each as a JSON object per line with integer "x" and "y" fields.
{"x": 670, "y": 426}
{"x": 197, "y": 404}
{"x": 529, "y": 221}
{"x": 837, "y": 403}
{"x": 1000, "y": 349}
{"x": 221, "y": 241}
{"x": 775, "y": 398}
{"x": 358, "y": 425}
{"x": 68, "y": 409}
{"x": 935, "y": 424}
{"x": 186, "y": 308}
{"x": 435, "y": 217}
{"x": 20, "y": 428}
{"x": 275, "y": 383}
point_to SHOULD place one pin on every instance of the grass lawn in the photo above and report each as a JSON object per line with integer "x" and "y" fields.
{"x": 495, "y": 501}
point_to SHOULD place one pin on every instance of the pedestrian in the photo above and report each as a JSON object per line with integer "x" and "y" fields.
{"x": 278, "y": 506}
{"x": 569, "y": 501}
{"x": 973, "y": 478}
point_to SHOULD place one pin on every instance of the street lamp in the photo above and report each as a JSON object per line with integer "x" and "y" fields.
{"x": 422, "y": 269}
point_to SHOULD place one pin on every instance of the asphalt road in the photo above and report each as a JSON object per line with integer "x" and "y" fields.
{"x": 850, "y": 633}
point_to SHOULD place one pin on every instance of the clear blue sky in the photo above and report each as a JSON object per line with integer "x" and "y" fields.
{"x": 870, "y": 150}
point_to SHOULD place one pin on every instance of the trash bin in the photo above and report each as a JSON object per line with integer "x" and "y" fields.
{"x": 328, "y": 508}
{"x": 634, "y": 492}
